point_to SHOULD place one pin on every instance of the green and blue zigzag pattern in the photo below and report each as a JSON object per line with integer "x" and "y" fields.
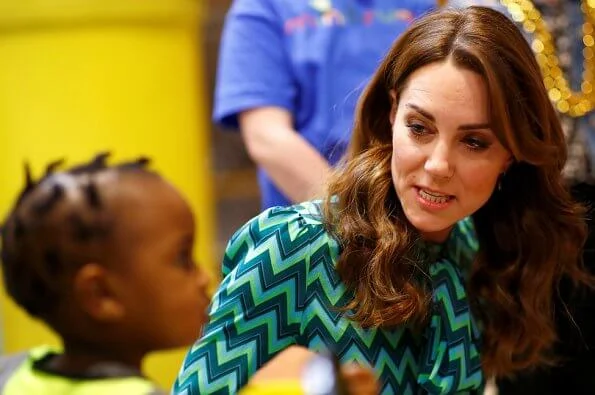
{"x": 281, "y": 288}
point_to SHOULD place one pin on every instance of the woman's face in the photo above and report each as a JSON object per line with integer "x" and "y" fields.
{"x": 446, "y": 159}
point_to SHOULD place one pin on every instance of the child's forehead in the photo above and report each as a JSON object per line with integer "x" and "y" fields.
{"x": 135, "y": 186}
{"x": 144, "y": 195}
{"x": 148, "y": 211}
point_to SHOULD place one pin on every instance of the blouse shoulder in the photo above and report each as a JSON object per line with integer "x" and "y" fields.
{"x": 283, "y": 229}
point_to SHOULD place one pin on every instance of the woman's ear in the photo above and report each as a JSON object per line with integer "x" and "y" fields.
{"x": 393, "y": 106}
{"x": 507, "y": 164}
{"x": 95, "y": 294}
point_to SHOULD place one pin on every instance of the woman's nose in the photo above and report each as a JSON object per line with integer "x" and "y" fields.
{"x": 438, "y": 162}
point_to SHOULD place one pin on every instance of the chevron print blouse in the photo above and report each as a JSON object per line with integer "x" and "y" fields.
{"x": 281, "y": 288}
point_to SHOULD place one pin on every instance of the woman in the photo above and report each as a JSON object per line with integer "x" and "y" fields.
{"x": 455, "y": 140}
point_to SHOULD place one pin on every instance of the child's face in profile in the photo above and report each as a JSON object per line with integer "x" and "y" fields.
{"x": 161, "y": 288}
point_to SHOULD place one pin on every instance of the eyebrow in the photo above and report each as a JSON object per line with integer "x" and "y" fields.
{"x": 471, "y": 126}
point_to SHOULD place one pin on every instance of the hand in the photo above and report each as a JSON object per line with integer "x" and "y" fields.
{"x": 359, "y": 380}
{"x": 289, "y": 366}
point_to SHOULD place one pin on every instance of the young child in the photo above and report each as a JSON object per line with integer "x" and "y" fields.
{"x": 103, "y": 255}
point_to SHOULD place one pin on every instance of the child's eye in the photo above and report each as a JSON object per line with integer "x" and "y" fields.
{"x": 185, "y": 260}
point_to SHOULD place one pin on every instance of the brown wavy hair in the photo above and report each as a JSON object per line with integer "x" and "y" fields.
{"x": 530, "y": 233}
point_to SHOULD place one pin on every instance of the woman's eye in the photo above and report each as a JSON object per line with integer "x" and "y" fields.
{"x": 416, "y": 129}
{"x": 476, "y": 144}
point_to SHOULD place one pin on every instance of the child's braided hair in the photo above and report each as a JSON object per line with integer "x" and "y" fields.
{"x": 57, "y": 224}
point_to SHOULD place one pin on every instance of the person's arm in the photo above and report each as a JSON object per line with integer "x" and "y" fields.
{"x": 257, "y": 310}
{"x": 256, "y": 91}
{"x": 296, "y": 168}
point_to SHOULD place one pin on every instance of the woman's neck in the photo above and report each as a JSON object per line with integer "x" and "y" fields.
{"x": 438, "y": 237}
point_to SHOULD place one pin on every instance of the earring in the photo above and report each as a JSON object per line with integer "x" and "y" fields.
{"x": 500, "y": 181}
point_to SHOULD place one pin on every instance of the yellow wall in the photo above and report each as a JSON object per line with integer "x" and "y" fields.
{"x": 79, "y": 76}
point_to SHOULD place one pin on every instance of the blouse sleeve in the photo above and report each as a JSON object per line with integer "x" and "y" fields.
{"x": 256, "y": 312}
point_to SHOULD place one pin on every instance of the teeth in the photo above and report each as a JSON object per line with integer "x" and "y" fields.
{"x": 433, "y": 197}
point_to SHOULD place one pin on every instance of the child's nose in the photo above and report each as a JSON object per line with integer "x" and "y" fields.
{"x": 203, "y": 278}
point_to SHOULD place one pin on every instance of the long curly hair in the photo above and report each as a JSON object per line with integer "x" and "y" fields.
{"x": 530, "y": 233}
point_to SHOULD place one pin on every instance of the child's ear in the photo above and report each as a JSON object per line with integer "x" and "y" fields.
{"x": 96, "y": 295}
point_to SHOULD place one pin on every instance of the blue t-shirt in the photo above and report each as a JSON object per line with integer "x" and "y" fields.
{"x": 311, "y": 57}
